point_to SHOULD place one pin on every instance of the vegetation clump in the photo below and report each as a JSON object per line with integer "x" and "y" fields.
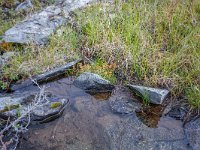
{"x": 55, "y": 105}
{"x": 151, "y": 42}
{"x": 154, "y": 42}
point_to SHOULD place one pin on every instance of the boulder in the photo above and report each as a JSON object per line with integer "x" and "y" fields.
{"x": 36, "y": 28}
{"x": 94, "y": 83}
{"x": 154, "y": 95}
{"x": 45, "y": 111}
{"x": 50, "y": 111}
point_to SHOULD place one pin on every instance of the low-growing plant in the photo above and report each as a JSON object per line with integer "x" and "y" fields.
{"x": 154, "y": 42}
{"x": 193, "y": 95}
{"x": 31, "y": 59}
{"x": 55, "y": 105}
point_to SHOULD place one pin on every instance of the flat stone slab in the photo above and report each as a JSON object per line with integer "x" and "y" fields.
{"x": 43, "y": 112}
{"x": 39, "y": 26}
{"x": 47, "y": 76}
{"x": 154, "y": 95}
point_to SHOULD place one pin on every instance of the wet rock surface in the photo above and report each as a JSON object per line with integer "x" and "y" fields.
{"x": 93, "y": 83}
{"x": 47, "y": 110}
{"x": 39, "y": 26}
{"x": 122, "y": 102}
{"x": 88, "y": 123}
{"x": 192, "y": 130}
{"x": 154, "y": 95}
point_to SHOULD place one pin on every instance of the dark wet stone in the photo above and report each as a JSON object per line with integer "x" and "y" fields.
{"x": 192, "y": 130}
{"x": 177, "y": 112}
{"x": 154, "y": 95}
{"x": 94, "y": 83}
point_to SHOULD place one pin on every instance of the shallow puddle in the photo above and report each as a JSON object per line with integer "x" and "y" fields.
{"x": 101, "y": 96}
{"x": 90, "y": 122}
{"x": 150, "y": 115}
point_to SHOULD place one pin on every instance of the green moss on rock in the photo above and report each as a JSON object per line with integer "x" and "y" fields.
{"x": 55, "y": 105}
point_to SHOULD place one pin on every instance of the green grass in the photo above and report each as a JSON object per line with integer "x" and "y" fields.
{"x": 149, "y": 41}
{"x": 101, "y": 68}
{"x": 31, "y": 60}
{"x": 193, "y": 95}
{"x": 156, "y": 42}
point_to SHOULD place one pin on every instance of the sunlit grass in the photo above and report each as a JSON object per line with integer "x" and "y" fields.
{"x": 156, "y": 42}
{"x": 31, "y": 59}
{"x": 149, "y": 41}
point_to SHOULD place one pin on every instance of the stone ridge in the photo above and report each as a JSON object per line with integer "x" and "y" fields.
{"x": 39, "y": 26}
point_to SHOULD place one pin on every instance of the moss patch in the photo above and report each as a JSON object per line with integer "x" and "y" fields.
{"x": 55, "y": 105}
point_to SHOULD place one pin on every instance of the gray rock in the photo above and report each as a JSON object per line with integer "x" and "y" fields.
{"x": 9, "y": 102}
{"x": 26, "y": 5}
{"x": 192, "y": 130}
{"x": 39, "y": 26}
{"x": 10, "y": 106}
{"x": 52, "y": 74}
{"x": 91, "y": 82}
{"x": 50, "y": 111}
{"x": 46, "y": 77}
{"x": 46, "y": 111}
{"x": 7, "y": 55}
{"x": 154, "y": 95}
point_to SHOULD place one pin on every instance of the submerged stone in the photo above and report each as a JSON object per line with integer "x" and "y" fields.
{"x": 154, "y": 95}
{"x": 123, "y": 106}
{"x": 94, "y": 83}
{"x": 6, "y": 57}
